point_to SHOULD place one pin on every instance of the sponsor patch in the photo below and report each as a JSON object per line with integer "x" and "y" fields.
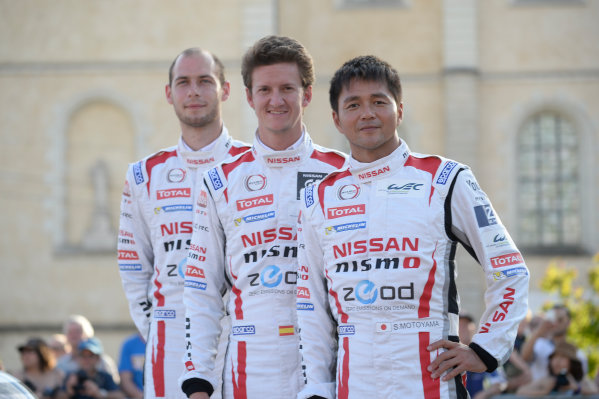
{"x": 516, "y": 271}
{"x": 128, "y": 255}
{"x": 215, "y": 179}
{"x": 248, "y": 203}
{"x": 309, "y": 196}
{"x": 444, "y": 175}
{"x": 305, "y": 306}
{"x": 307, "y": 179}
{"x": 176, "y": 175}
{"x": 173, "y": 208}
{"x": 303, "y": 292}
{"x": 244, "y": 330}
{"x": 130, "y": 267}
{"x": 408, "y": 326}
{"x": 173, "y": 193}
{"x": 369, "y": 174}
{"x": 348, "y": 191}
{"x": 193, "y": 271}
{"x": 165, "y": 314}
{"x": 400, "y": 188}
{"x": 344, "y": 227}
{"x": 198, "y": 285}
{"x": 496, "y": 238}
{"x": 277, "y": 160}
{"x": 346, "y": 329}
{"x": 255, "y": 182}
{"x": 507, "y": 260}
{"x": 137, "y": 173}
{"x": 254, "y": 218}
{"x": 337, "y": 212}
{"x": 485, "y": 215}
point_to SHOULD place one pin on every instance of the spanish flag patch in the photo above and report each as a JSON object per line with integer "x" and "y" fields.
{"x": 286, "y": 330}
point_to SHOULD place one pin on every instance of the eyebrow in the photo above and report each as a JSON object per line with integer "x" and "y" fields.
{"x": 199, "y": 77}
{"x": 374, "y": 95}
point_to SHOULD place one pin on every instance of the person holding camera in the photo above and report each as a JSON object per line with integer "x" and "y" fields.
{"x": 565, "y": 377}
{"x": 88, "y": 382}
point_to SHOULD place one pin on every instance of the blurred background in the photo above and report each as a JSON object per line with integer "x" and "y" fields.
{"x": 510, "y": 87}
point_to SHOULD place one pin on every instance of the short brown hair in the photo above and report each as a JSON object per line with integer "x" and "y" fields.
{"x": 220, "y": 68}
{"x": 275, "y": 50}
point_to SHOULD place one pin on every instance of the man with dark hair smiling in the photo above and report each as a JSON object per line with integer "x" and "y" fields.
{"x": 377, "y": 301}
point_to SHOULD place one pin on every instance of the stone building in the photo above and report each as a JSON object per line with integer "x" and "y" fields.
{"x": 510, "y": 87}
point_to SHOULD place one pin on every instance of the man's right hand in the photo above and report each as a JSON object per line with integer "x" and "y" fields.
{"x": 199, "y": 395}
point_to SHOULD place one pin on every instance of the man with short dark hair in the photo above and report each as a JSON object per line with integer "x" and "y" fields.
{"x": 157, "y": 215}
{"x": 377, "y": 300}
{"x": 244, "y": 237}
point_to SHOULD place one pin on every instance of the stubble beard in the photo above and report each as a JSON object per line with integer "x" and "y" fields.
{"x": 198, "y": 121}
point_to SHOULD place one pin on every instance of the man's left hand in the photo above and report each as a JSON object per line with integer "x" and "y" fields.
{"x": 457, "y": 359}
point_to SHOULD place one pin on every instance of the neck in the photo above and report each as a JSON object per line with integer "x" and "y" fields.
{"x": 279, "y": 141}
{"x": 368, "y": 156}
{"x": 199, "y": 137}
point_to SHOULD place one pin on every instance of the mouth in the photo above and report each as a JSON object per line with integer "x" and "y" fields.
{"x": 368, "y": 128}
{"x": 194, "y": 106}
{"x": 277, "y": 112}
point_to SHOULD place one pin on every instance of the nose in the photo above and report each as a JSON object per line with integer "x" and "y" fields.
{"x": 195, "y": 89}
{"x": 367, "y": 113}
{"x": 276, "y": 98}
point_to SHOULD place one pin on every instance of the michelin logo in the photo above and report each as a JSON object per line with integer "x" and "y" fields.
{"x": 305, "y": 306}
{"x": 215, "y": 179}
{"x": 345, "y": 227}
{"x": 198, "y": 285}
{"x": 516, "y": 271}
{"x": 444, "y": 175}
{"x": 255, "y": 218}
{"x": 139, "y": 176}
{"x": 130, "y": 267}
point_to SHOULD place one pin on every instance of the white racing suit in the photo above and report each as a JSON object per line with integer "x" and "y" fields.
{"x": 376, "y": 278}
{"x": 155, "y": 231}
{"x": 244, "y": 240}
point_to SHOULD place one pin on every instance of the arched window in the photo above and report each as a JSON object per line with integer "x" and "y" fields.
{"x": 549, "y": 217}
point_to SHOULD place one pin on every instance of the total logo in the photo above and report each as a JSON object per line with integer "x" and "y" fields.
{"x": 348, "y": 191}
{"x": 255, "y": 182}
{"x": 366, "y": 292}
{"x": 248, "y": 203}
{"x": 173, "y": 193}
{"x": 507, "y": 260}
{"x": 272, "y": 276}
{"x": 337, "y": 212}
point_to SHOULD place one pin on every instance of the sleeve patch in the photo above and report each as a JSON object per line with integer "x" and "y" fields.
{"x": 137, "y": 173}
{"x": 446, "y": 172}
{"x": 309, "y": 196}
{"x": 215, "y": 179}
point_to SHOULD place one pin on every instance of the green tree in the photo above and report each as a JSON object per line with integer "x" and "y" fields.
{"x": 583, "y": 304}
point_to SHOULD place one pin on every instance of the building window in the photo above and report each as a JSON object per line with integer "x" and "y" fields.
{"x": 548, "y": 192}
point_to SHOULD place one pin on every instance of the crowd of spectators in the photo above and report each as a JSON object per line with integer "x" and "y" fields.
{"x": 543, "y": 363}
{"x": 73, "y": 365}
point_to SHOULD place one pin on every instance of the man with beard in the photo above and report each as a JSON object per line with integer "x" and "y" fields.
{"x": 157, "y": 215}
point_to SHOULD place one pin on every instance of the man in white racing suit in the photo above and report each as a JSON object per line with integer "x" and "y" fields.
{"x": 156, "y": 215}
{"x": 376, "y": 297}
{"x": 244, "y": 237}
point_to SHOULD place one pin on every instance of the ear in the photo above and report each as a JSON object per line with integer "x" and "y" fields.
{"x": 399, "y": 113}
{"x": 248, "y": 96}
{"x": 337, "y": 122}
{"x": 226, "y": 91}
{"x": 169, "y": 94}
{"x": 307, "y": 96}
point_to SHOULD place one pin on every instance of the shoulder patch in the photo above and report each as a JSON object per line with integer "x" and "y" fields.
{"x": 217, "y": 183}
{"x": 138, "y": 173}
{"x": 444, "y": 175}
{"x": 309, "y": 195}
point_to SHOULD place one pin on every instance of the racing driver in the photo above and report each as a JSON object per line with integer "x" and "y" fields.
{"x": 376, "y": 297}
{"x": 156, "y": 215}
{"x": 244, "y": 237}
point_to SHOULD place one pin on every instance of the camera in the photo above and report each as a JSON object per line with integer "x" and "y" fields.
{"x": 81, "y": 378}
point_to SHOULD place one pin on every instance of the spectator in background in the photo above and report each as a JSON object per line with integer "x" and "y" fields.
{"x": 59, "y": 345}
{"x": 39, "y": 370}
{"x": 549, "y": 332}
{"x": 77, "y": 329}
{"x": 131, "y": 366}
{"x": 565, "y": 375}
{"x": 87, "y": 382}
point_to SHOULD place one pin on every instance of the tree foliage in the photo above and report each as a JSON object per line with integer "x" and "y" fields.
{"x": 583, "y": 304}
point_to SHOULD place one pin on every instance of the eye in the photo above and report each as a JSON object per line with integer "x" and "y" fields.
{"x": 351, "y": 106}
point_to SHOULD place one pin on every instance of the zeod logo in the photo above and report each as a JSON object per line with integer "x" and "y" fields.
{"x": 366, "y": 293}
